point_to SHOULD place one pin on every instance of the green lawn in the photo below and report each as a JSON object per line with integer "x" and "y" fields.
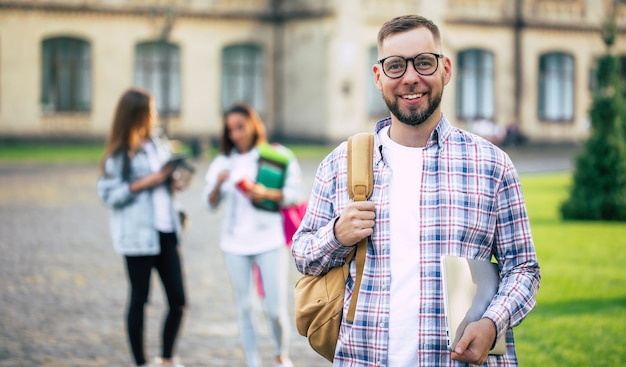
{"x": 90, "y": 153}
{"x": 580, "y": 318}
{"x": 50, "y": 153}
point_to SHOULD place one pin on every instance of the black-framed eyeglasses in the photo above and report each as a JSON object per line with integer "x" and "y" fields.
{"x": 425, "y": 64}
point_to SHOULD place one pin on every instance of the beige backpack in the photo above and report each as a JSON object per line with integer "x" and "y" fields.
{"x": 319, "y": 300}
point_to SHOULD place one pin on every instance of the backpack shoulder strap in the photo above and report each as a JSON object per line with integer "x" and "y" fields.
{"x": 360, "y": 170}
{"x": 360, "y": 187}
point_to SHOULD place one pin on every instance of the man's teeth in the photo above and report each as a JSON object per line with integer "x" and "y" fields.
{"x": 412, "y": 96}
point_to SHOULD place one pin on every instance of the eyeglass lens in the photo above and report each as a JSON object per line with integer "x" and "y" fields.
{"x": 425, "y": 64}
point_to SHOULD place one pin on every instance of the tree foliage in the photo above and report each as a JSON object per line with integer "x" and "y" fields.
{"x": 599, "y": 186}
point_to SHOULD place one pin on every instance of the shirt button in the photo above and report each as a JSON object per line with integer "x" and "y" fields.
{"x": 382, "y": 324}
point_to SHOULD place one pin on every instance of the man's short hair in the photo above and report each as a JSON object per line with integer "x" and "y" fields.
{"x": 405, "y": 23}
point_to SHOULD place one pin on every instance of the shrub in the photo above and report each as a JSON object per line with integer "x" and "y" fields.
{"x": 599, "y": 185}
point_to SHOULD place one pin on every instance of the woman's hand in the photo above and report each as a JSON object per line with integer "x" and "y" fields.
{"x": 152, "y": 179}
{"x": 258, "y": 192}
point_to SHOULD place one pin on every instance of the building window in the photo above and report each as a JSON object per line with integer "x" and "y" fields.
{"x": 242, "y": 76}
{"x": 65, "y": 75}
{"x": 376, "y": 106}
{"x": 157, "y": 68}
{"x": 556, "y": 87}
{"x": 475, "y": 86}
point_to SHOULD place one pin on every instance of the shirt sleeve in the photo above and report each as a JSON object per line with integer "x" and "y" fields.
{"x": 520, "y": 275}
{"x": 219, "y": 164}
{"x": 315, "y": 248}
{"x": 113, "y": 190}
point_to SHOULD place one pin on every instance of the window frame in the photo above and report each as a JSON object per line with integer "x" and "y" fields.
{"x": 556, "y": 71}
{"x": 151, "y": 59}
{"x": 479, "y": 79}
{"x": 66, "y": 75}
{"x": 243, "y": 76}
{"x": 376, "y": 106}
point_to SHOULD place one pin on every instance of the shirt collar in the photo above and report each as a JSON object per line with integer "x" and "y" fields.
{"x": 438, "y": 137}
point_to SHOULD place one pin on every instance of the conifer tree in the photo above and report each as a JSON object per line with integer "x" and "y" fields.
{"x": 598, "y": 191}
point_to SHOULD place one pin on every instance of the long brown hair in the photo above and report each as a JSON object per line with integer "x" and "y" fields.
{"x": 260, "y": 135}
{"x": 131, "y": 123}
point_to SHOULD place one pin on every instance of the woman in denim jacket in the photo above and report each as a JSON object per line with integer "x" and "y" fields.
{"x": 136, "y": 185}
{"x": 253, "y": 238}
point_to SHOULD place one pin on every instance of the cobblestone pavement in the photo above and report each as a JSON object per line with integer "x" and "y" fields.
{"x": 63, "y": 289}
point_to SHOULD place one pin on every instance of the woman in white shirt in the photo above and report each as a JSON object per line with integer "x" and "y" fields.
{"x": 250, "y": 235}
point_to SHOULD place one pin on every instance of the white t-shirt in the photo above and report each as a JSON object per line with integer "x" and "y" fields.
{"x": 162, "y": 201}
{"x": 406, "y": 165}
{"x": 245, "y": 235}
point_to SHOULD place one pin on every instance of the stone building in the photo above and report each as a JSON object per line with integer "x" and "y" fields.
{"x": 304, "y": 64}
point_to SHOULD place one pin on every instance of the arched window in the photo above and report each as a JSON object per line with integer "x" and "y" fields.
{"x": 556, "y": 87}
{"x": 242, "y": 76}
{"x": 65, "y": 75}
{"x": 475, "y": 86}
{"x": 157, "y": 68}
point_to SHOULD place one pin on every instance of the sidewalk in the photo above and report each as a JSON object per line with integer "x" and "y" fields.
{"x": 63, "y": 289}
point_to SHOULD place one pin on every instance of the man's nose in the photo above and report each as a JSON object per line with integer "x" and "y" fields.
{"x": 411, "y": 73}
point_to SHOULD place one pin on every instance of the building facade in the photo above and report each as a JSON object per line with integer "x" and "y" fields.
{"x": 304, "y": 64}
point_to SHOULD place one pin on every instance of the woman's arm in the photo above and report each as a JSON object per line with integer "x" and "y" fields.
{"x": 152, "y": 179}
{"x": 214, "y": 195}
{"x": 216, "y": 175}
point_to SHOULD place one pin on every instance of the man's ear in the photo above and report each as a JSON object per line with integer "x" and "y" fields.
{"x": 447, "y": 70}
{"x": 377, "y": 75}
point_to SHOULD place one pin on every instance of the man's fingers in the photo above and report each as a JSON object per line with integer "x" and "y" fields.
{"x": 460, "y": 347}
{"x": 473, "y": 346}
{"x": 362, "y": 205}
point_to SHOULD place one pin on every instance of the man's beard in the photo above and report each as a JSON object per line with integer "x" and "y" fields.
{"x": 414, "y": 117}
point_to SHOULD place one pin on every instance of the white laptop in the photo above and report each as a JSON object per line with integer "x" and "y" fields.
{"x": 468, "y": 288}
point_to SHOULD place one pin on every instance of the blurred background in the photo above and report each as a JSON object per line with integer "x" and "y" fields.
{"x": 523, "y": 76}
{"x": 522, "y": 67}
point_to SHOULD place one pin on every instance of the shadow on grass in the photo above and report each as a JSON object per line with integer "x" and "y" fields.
{"x": 578, "y": 307}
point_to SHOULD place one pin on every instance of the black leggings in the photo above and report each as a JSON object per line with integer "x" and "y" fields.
{"x": 139, "y": 268}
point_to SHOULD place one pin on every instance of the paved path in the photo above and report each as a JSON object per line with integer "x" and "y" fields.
{"x": 63, "y": 289}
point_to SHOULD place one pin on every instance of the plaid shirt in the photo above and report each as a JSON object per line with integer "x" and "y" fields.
{"x": 471, "y": 206}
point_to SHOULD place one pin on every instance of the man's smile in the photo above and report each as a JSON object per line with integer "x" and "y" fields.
{"x": 412, "y": 96}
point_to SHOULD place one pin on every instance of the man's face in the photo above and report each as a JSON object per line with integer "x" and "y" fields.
{"x": 413, "y": 98}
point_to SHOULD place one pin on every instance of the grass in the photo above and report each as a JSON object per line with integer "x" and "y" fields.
{"x": 92, "y": 153}
{"x": 50, "y": 153}
{"x": 580, "y": 318}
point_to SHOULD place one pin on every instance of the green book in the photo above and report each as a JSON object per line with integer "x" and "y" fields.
{"x": 271, "y": 174}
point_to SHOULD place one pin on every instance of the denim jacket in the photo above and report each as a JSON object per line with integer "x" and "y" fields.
{"x": 131, "y": 214}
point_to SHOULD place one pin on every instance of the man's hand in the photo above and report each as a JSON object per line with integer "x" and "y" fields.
{"x": 355, "y": 223}
{"x": 476, "y": 342}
